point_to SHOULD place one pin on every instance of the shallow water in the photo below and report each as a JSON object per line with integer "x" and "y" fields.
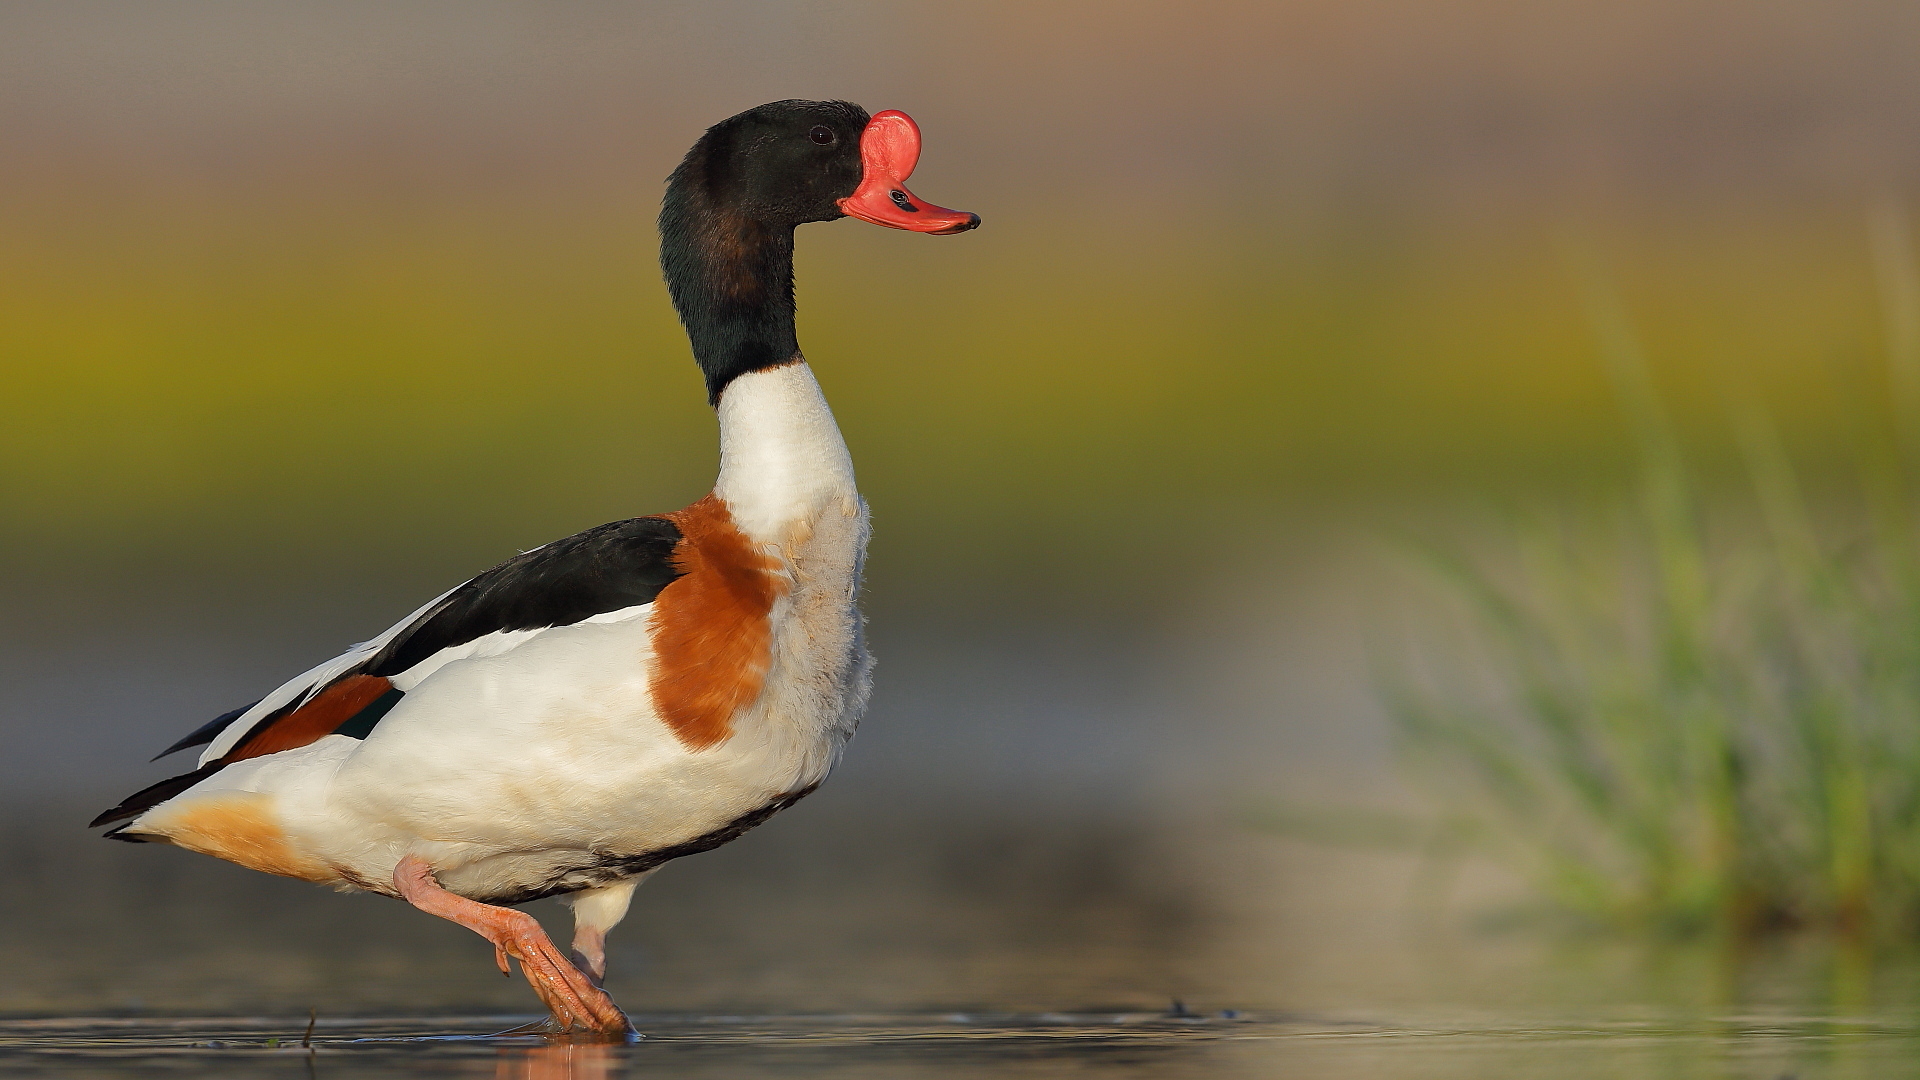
{"x": 963, "y": 1045}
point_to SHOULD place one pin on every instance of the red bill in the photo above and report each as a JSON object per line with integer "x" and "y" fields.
{"x": 889, "y": 149}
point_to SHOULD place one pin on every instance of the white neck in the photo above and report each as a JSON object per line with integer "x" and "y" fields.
{"x": 781, "y": 455}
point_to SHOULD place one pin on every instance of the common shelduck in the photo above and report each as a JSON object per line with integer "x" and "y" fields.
{"x": 568, "y": 721}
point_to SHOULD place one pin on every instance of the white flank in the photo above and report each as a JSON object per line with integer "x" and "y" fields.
{"x": 500, "y": 642}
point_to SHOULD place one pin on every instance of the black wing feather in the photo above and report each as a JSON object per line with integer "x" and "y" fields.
{"x": 149, "y": 797}
{"x": 606, "y": 568}
{"x": 206, "y": 732}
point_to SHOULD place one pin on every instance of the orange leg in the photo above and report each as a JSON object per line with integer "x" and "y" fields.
{"x": 578, "y": 1006}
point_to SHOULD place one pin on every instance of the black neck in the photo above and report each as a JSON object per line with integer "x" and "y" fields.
{"x": 731, "y": 279}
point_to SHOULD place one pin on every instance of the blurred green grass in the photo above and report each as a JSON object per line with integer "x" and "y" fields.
{"x": 378, "y": 384}
{"x": 1695, "y": 711}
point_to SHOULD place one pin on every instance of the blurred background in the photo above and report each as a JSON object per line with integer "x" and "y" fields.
{"x": 308, "y": 312}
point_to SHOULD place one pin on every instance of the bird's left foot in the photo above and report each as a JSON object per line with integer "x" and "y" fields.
{"x": 590, "y": 954}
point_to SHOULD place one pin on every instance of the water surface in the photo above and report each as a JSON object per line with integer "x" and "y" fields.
{"x": 966, "y": 1045}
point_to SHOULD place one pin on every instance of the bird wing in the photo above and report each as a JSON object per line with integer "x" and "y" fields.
{"x": 606, "y": 569}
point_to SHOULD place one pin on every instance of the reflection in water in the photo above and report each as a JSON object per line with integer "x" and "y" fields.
{"x": 558, "y": 1061}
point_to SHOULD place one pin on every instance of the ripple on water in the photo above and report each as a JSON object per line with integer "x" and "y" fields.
{"x": 851, "y": 1047}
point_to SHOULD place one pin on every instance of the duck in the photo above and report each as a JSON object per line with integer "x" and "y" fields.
{"x": 569, "y": 721}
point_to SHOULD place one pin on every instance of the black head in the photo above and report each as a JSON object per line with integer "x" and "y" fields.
{"x": 782, "y": 163}
{"x": 726, "y": 224}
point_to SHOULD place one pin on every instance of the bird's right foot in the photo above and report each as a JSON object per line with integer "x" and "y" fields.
{"x": 580, "y": 1010}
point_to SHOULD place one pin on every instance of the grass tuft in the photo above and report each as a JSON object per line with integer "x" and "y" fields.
{"x": 1703, "y": 715}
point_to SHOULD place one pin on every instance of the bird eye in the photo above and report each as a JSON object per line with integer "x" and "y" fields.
{"x": 821, "y": 134}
